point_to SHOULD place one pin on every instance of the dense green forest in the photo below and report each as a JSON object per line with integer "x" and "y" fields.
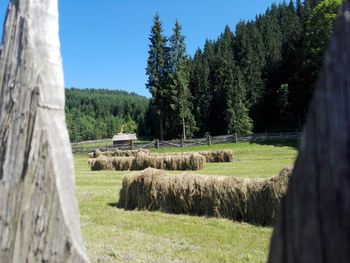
{"x": 96, "y": 113}
{"x": 259, "y": 77}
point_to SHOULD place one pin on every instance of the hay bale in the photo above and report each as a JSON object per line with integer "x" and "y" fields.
{"x": 97, "y": 153}
{"x": 106, "y": 163}
{"x": 100, "y": 163}
{"x": 249, "y": 200}
{"x": 143, "y": 161}
{"x": 218, "y": 156}
{"x": 128, "y": 153}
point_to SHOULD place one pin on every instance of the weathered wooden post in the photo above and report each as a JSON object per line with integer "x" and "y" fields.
{"x": 314, "y": 218}
{"x": 209, "y": 139}
{"x": 39, "y": 220}
{"x": 236, "y": 138}
{"x": 182, "y": 142}
{"x": 157, "y": 144}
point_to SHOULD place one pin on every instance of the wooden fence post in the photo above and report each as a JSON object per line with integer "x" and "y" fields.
{"x": 313, "y": 223}
{"x": 209, "y": 139}
{"x": 157, "y": 144}
{"x": 236, "y": 138}
{"x": 39, "y": 217}
{"x": 182, "y": 142}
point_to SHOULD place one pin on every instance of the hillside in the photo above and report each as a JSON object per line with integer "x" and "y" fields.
{"x": 99, "y": 113}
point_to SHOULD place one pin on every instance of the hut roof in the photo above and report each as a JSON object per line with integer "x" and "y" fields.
{"x": 124, "y": 137}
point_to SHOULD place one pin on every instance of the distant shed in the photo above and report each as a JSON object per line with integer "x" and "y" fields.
{"x": 123, "y": 139}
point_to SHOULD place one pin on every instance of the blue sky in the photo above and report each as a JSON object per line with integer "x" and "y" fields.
{"x": 104, "y": 43}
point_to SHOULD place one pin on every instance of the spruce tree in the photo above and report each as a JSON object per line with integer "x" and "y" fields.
{"x": 200, "y": 90}
{"x": 237, "y": 115}
{"x": 250, "y": 52}
{"x": 178, "y": 82}
{"x": 156, "y": 71}
{"x": 221, "y": 56}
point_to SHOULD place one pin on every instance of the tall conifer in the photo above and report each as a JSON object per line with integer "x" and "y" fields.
{"x": 178, "y": 81}
{"x": 156, "y": 73}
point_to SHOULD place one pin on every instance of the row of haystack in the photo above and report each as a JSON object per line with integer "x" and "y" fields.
{"x": 220, "y": 156}
{"x": 211, "y": 156}
{"x": 249, "y": 200}
{"x": 143, "y": 161}
{"x": 118, "y": 153}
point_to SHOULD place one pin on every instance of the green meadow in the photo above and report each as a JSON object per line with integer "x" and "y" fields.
{"x": 115, "y": 235}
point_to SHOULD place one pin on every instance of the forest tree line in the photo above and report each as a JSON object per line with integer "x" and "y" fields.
{"x": 97, "y": 114}
{"x": 259, "y": 77}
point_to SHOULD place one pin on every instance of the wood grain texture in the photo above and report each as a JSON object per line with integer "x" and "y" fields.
{"x": 39, "y": 220}
{"x": 314, "y": 219}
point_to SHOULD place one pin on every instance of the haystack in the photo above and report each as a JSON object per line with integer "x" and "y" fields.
{"x": 143, "y": 161}
{"x": 249, "y": 200}
{"x": 119, "y": 153}
{"x": 218, "y": 156}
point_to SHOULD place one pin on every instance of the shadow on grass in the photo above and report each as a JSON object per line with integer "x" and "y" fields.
{"x": 114, "y": 204}
{"x": 279, "y": 143}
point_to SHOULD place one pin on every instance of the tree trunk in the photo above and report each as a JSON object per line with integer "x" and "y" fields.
{"x": 314, "y": 218}
{"x": 39, "y": 220}
{"x": 183, "y": 129}
{"x": 161, "y": 127}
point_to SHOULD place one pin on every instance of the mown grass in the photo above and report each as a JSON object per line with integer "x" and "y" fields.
{"x": 115, "y": 235}
{"x": 250, "y": 159}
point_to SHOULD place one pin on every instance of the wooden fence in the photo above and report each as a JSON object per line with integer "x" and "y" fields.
{"x": 84, "y": 147}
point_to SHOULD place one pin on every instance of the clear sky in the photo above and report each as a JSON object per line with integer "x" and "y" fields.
{"x": 105, "y": 42}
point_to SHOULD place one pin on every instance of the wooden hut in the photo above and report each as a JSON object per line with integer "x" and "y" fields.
{"x": 124, "y": 140}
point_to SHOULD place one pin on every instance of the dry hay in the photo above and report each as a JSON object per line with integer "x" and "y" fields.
{"x": 218, "y": 156}
{"x": 143, "y": 161}
{"x": 119, "y": 153}
{"x": 249, "y": 200}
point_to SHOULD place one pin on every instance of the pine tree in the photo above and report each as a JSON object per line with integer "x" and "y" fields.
{"x": 178, "y": 81}
{"x": 221, "y": 55}
{"x": 200, "y": 90}
{"x": 250, "y": 52}
{"x": 156, "y": 71}
{"x": 237, "y": 115}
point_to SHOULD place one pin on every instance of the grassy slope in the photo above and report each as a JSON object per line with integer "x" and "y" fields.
{"x": 115, "y": 235}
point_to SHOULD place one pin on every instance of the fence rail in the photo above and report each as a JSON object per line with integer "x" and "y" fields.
{"x": 232, "y": 138}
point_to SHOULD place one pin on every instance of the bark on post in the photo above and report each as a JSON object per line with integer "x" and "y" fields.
{"x": 314, "y": 219}
{"x": 39, "y": 220}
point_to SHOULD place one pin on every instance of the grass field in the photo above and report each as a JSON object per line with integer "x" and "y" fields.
{"x": 115, "y": 235}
